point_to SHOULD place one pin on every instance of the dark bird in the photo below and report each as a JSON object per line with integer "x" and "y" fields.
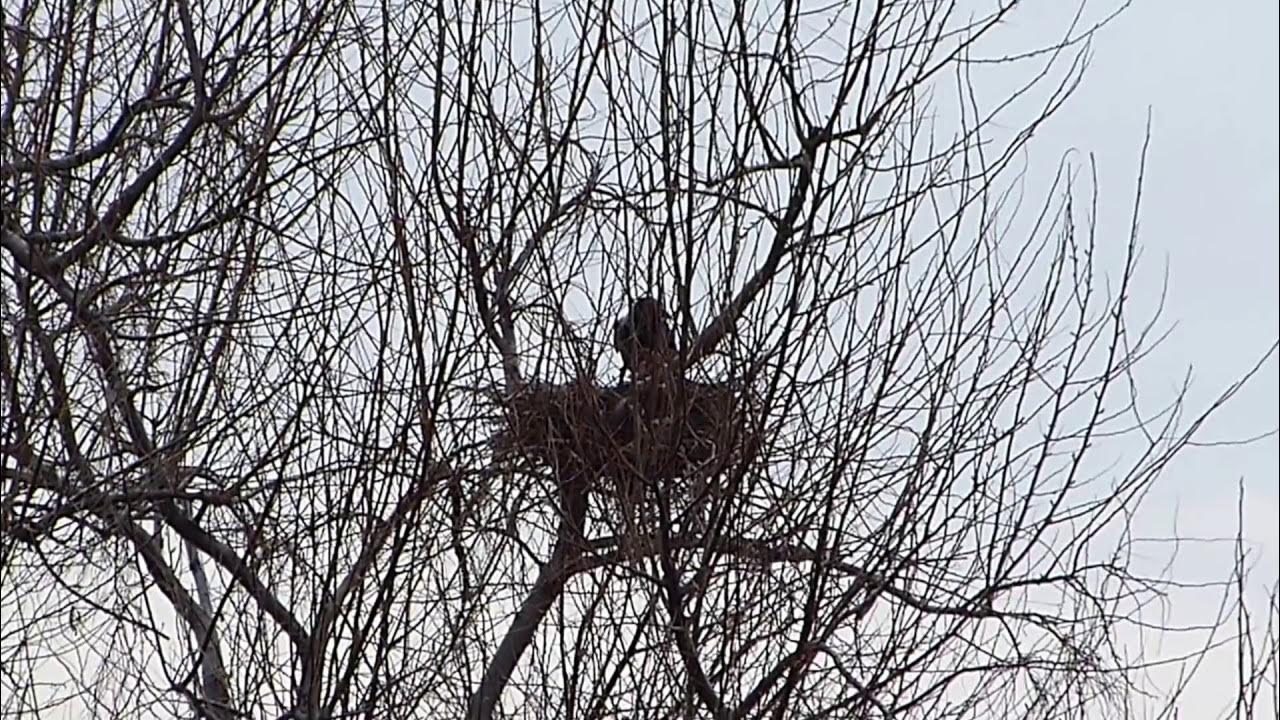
{"x": 642, "y": 337}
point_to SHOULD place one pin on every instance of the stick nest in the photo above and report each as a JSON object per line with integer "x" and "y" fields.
{"x": 656, "y": 427}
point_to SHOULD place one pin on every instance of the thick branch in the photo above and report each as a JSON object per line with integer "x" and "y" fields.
{"x": 489, "y": 319}
{"x": 234, "y": 564}
{"x": 329, "y": 610}
{"x": 217, "y": 695}
{"x": 546, "y": 588}
{"x": 784, "y": 230}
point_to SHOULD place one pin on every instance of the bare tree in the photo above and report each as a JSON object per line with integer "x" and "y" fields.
{"x": 310, "y": 410}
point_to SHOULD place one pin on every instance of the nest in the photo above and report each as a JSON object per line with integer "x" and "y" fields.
{"x": 657, "y": 427}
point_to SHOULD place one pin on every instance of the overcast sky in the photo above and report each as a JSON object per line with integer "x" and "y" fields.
{"x": 1208, "y": 74}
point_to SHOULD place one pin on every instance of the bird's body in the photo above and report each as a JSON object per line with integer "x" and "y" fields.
{"x": 642, "y": 337}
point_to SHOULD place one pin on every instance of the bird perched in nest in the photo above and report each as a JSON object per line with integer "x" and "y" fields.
{"x": 642, "y": 337}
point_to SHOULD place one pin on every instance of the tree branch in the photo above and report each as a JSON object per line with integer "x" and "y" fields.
{"x": 546, "y": 588}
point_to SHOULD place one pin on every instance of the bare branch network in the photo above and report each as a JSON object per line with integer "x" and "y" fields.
{"x": 620, "y": 360}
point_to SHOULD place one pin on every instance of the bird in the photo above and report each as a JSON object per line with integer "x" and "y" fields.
{"x": 642, "y": 336}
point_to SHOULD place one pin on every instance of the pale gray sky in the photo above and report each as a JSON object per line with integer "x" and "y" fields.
{"x": 1208, "y": 74}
